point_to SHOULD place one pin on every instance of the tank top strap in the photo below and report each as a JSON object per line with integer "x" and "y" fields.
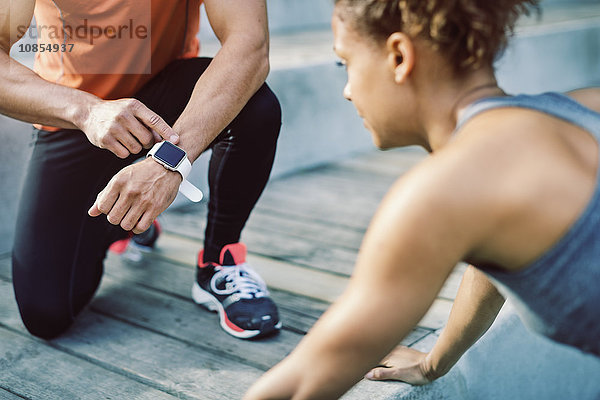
{"x": 555, "y": 104}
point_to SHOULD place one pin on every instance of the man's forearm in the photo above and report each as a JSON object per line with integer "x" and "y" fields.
{"x": 475, "y": 308}
{"x": 234, "y": 75}
{"x": 28, "y": 97}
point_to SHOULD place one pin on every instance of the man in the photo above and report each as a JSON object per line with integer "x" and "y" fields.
{"x": 112, "y": 78}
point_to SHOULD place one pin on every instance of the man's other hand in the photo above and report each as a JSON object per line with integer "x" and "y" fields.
{"x": 136, "y": 195}
{"x": 125, "y": 126}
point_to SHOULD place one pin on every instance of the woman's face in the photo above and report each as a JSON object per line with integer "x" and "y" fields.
{"x": 370, "y": 86}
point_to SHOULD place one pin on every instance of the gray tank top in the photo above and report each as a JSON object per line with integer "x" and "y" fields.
{"x": 558, "y": 295}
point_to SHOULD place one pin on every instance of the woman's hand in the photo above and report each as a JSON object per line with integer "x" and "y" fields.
{"x": 406, "y": 365}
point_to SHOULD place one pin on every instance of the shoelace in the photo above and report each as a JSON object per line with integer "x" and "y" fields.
{"x": 239, "y": 279}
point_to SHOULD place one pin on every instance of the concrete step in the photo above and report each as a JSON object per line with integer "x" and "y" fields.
{"x": 558, "y": 52}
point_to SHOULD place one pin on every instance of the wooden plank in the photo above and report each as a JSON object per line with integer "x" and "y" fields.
{"x": 186, "y": 322}
{"x": 389, "y": 162}
{"x": 263, "y": 242}
{"x": 180, "y": 368}
{"x": 5, "y": 268}
{"x": 320, "y": 197}
{"x": 299, "y": 207}
{"x": 125, "y": 303}
{"x": 35, "y": 370}
{"x": 316, "y": 200}
{"x": 313, "y": 231}
{"x": 276, "y": 222}
{"x": 313, "y": 283}
{"x": 285, "y": 276}
{"x": 180, "y": 319}
{"x": 450, "y": 288}
{"x": 426, "y": 343}
{"x": 298, "y": 312}
{"x": 277, "y": 274}
{"x": 437, "y": 316}
{"x": 6, "y": 395}
{"x": 176, "y": 317}
{"x": 177, "y": 280}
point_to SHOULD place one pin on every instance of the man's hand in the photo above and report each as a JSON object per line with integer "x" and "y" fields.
{"x": 125, "y": 126}
{"x": 403, "y": 364}
{"x": 136, "y": 195}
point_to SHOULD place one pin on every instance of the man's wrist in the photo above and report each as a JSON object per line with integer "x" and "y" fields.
{"x": 160, "y": 169}
{"x": 80, "y": 112}
{"x": 192, "y": 140}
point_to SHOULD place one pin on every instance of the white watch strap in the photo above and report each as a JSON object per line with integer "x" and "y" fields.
{"x": 186, "y": 188}
{"x": 190, "y": 191}
{"x": 185, "y": 168}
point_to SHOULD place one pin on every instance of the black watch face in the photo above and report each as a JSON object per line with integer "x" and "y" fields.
{"x": 170, "y": 154}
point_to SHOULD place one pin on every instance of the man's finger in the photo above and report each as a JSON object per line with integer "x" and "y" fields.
{"x": 144, "y": 223}
{"x": 106, "y": 199}
{"x": 128, "y": 140}
{"x": 141, "y": 133}
{"x": 94, "y": 211}
{"x": 155, "y": 122}
{"x": 115, "y": 147}
{"x": 157, "y": 137}
{"x": 131, "y": 218}
{"x": 118, "y": 211}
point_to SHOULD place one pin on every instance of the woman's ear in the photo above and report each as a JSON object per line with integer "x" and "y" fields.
{"x": 401, "y": 55}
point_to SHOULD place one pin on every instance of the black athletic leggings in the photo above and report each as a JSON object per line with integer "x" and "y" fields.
{"x": 59, "y": 250}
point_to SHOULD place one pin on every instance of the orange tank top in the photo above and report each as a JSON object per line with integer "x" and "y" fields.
{"x": 111, "y": 48}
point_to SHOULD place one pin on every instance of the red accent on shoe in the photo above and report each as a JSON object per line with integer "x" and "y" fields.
{"x": 120, "y": 246}
{"x": 201, "y": 263}
{"x": 231, "y": 324}
{"x": 237, "y": 251}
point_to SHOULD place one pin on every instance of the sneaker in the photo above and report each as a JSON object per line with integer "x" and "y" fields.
{"x": 132, "y": 245}
{"x": 234, "y": 290}
{"x": 146, "y": 240}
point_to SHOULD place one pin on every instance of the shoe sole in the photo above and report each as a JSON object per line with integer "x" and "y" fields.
{"x": 141, "y": 247}
{"x": 207, "y": 300}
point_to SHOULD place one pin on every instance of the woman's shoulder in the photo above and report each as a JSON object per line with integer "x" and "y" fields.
{"x": 588, "y": 97}
{"x": 499, "y": 165}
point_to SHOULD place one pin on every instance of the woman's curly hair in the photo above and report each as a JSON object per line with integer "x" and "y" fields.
{"x": 471, "y": 33}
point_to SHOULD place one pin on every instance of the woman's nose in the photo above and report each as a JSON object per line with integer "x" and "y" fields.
{"x": 347, "y": 94}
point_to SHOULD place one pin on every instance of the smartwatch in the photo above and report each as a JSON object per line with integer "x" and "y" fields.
{"x": 174, "y": 158}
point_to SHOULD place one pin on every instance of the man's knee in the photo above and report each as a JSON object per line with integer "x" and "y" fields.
{"x": 44, "y": 307}
{"x": 44, "y": 320}
{"x": 264, "y": 111}
{"x": 45, "y": 325}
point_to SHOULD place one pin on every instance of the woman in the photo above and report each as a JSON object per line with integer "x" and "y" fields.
{"x": 511, "y": 187}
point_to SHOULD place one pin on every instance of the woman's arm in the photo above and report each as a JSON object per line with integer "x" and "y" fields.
{"x": 474, "y": 310}
{"x": 410, "y": 248}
